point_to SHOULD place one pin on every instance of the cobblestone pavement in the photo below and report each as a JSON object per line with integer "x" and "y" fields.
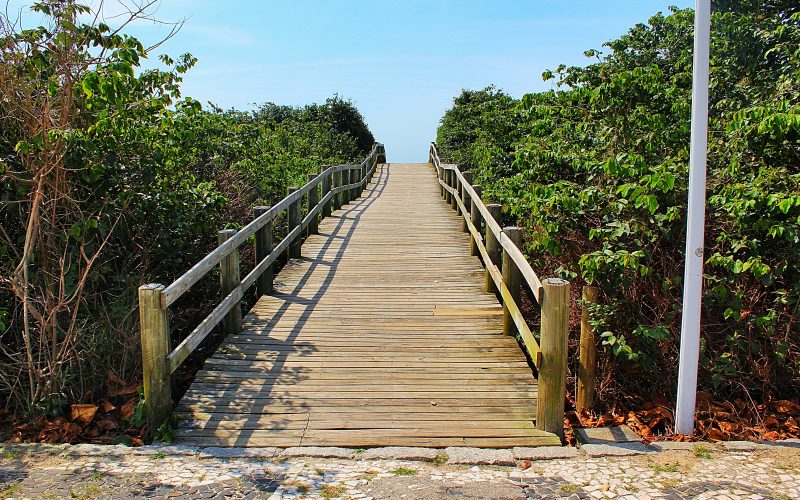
{"x": 174, "y": 472}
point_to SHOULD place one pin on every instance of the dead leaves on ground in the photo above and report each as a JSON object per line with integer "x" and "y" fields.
{"x": 716, "y": 420}
{"x": 101, "y": 422}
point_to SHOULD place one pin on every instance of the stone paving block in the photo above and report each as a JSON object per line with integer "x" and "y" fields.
{"x": 400, "y": 453}
{"x": 544, "y": 452}
{"x": 607, "y": 435}
{"x": 23, "y": 449}
{"x": 99, "y": 450}
{"x": 615, "y": 450}
{"x": 166, "y": 449}
{"x": 792, "y": 442}
{"x": 233, "y": 452}
{"x": 318, "y": 451}
{"x": 677, "y": 445}
{"x": 478, "y": 456}
{"x": 742, "y": 446}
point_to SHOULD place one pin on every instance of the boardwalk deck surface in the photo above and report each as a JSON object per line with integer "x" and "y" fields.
{"x": 380, "y": 335}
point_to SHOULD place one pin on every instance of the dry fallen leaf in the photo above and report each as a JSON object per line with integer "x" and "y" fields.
{"x": 83, "y": 413}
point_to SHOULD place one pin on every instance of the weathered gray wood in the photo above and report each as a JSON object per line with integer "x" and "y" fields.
{"x": 467, "y": 203}
{"x": 327, "y": 208}
{"x": 293, "y": 221}
{"x": 492, "y": 244}
{"x": 553, "y": 367}
{"x": 448, "y": 176}
{"x": 154, "y": 329}
{"x": 353, "y": 354}
{"x": 263, "y": 249}
{"x": 313, "y": 199}
{"x": 475, "y": 217}
{"x": 512, "y": 279}
{"x": 228, "y": 280}
{"x": 587, "y": 364}
{"x": 455, "y": 184}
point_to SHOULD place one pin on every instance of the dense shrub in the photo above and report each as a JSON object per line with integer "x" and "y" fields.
{"x": 599, "y": 183}
{"x": 109, "y": 178}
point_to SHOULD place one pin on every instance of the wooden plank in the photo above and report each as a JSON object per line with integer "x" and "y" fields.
{"x": 380, "y": 334}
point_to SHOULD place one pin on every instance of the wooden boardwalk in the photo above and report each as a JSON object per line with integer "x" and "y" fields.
{"x": 380, "y": 335}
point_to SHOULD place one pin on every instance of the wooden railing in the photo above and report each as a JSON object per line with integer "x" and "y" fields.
{"x": 506, "y": 268}
{"x": 339, "y": 185}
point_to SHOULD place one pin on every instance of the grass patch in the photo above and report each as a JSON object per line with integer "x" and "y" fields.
{"x": 405, "y": 471}
{"x": 301, "y": 487}
{"x": 569, "y": 488}
{"x": 701, "y": 451}
{"x": 440, "y": 459}
{"x": 659, "y": 468}
{"x": 330, "y": 491}
{"x": 159, "y": 455}
{"x": 10, "y": 455}
{"x": 369, "y": 475}
{"x": 11, "y": 490}
{"x": 319, "y": 472}
{"x": 359, "y": 451}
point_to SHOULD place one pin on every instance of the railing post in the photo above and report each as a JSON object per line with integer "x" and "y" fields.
{"x": 455, "y": 184}
{"x": 587, "y": 365}
{"x": 263, "y": 249}
{"x": 154, "y": 330}
{"x": 228, "y": 280}
{"x": 475, "y": 217}
{"x": 553, "y": 366}
{"x": 313, "y": 199}
{"x": 467, "y": 201}
{"x": 512, "y": 278}
{"x": 353, "y": 180}
{"x": 492, "y": 245}
{"x": 293, "y": 220}
{"x": 326, "y": 188}
{"x": 337, "y": 183}
{"x": 345, "y": 182}
{"x": 448, "y": 174}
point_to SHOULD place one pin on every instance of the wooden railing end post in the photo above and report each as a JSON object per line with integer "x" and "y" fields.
{"x": 154, "y": 330}
{"x": 552, "y": 387}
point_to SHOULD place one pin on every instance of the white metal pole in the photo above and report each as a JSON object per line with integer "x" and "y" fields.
{"x": 693, "y": 272}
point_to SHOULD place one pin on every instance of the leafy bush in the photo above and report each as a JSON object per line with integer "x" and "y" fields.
{"x": 599, "y": 183}
{"x": 109, "y": 178}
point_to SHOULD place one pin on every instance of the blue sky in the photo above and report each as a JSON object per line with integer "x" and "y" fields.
{"x": 400, "y": 61}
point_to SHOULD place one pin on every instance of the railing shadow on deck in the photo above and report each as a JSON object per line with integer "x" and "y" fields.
{"x": 339, "y": 185}
{"x": 278, "y": 368}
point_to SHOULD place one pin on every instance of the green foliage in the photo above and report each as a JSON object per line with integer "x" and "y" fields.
{"x": 137, "y": 180}
{"x": 598, "y": 181}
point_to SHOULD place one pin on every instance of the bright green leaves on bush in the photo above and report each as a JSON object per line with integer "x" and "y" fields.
{"x": 596, "y": 173}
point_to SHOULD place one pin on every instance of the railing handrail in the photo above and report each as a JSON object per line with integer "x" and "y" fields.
{"x": 550, "y": 358}
{"x": 154, "y": 300}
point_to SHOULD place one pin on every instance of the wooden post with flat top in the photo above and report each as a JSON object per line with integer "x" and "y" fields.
{"x": 492, "y": 245}
{"x": 552, "y": 388}
{"x": 326, "y": 188}
{"x": 512, "y": 278}
{"x": 587, "y": 364}
{"x": 313, "y": 199}
{"x": 263, "y": 249}
{"x": 293, "y": 220}
{"x": 467, "y": 202}
{"x": 475, "y": 217}
{"x": 228, "y": 280}
{"x": 154, "y": 330}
